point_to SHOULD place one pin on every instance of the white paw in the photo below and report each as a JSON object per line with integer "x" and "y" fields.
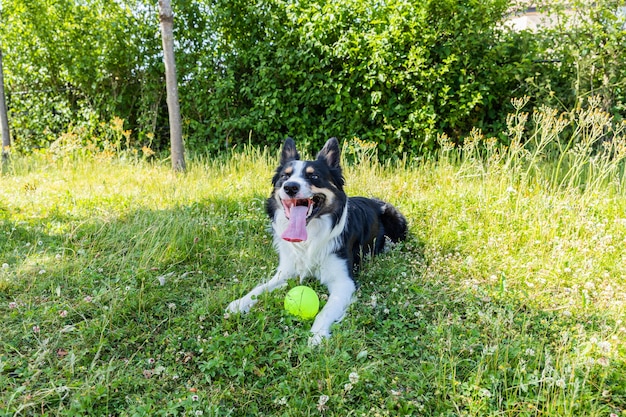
{"x": 318, "y": 338}
{"x": 241, "y": 305}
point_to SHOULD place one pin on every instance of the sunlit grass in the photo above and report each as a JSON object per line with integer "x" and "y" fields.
{"x": 508, "y": 299}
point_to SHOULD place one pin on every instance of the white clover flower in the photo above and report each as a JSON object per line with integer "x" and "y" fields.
{"x": 484, "y": 392}
{"x": 321, "y": 403}
{"x": 490, "y": 350}
{"x": 603, "y": 362}
{"x": 353, "y": 377}
{"x": 604, "y": 346}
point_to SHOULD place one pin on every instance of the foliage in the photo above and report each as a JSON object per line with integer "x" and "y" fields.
{"x": 76, "y": 63}
{"x": 397, "y": 73}
{"x": 393, "y": 72}
{"x": 580, "y": 54}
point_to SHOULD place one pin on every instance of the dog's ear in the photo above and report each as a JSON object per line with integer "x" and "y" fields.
{"x": 289, "y": 152}
{"x": 330, "y": 153}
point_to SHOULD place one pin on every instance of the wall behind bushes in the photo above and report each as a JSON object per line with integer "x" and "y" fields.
{"x": 395, "y": 72}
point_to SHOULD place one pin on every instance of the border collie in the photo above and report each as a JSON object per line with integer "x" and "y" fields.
{"x": 320, "y": 232}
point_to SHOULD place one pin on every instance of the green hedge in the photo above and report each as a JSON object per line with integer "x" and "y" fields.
{"x": 395, "y": 72}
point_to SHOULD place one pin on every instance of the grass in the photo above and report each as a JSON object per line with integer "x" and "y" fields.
{"x": 508, "y": 299}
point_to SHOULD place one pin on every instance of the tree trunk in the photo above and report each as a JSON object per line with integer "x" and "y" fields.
{"x": 166, "y": 18}
{"x": 4, "y": 119}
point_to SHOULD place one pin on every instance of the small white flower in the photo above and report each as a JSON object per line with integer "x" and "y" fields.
{"x": 12, "y": 305}
{"x": 5, "y": 265}
{"x": 321, "y": 403}
{"x": 484, "y": 392}
{"x": 347, "y": 387}
{"x": 560, "y": 383}
{"x": 373, "y": 300}
{"x": 489, "y": 350}
{"x": 353, "y": 377}
{"x": 605, "y": 346}
{"x": 603, "y": 361}
{"x": 41, "y": 272}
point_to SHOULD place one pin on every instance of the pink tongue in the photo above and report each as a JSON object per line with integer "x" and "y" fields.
{"x": 296, "y": 229}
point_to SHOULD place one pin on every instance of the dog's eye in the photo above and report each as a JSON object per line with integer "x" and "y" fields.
{"x": 314, "y": 177}
{"x": 284, "y": 176}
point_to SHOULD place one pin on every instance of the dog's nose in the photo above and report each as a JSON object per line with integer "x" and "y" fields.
{"x": 291, "y": 188}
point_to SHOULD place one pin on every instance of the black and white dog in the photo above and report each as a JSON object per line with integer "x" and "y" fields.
{"x": 320, "y": 232}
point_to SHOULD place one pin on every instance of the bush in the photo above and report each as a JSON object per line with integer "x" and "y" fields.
{"x": 581, "y": 55}
{"x": 397, "y": 73}
{"x": 74, "y": 63}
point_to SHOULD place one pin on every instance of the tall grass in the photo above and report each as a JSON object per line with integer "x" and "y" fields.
{"x": 507, "y": 300}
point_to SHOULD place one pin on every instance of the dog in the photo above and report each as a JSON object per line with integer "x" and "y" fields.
{"x": 320, "y": 232}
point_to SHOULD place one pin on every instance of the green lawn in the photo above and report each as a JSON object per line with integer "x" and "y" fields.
{"x": 507, "y": 300}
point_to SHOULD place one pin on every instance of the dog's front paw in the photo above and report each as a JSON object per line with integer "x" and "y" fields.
{"x": 318, "y": 338}
{"x": 241, "y": 305}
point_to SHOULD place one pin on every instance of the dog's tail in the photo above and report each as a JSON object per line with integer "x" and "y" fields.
{"x": 395, "y": 224}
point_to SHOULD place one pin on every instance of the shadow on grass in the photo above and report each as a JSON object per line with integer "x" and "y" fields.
{"x": 128, "y": 318}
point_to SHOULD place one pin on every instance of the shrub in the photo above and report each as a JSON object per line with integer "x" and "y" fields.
{"x": 395, "y": 73}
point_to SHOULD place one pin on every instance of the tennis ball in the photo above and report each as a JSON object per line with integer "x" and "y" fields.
{"x": 302, "y": 301}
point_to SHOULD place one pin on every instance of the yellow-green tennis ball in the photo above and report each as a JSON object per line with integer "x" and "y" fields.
{"x": 302, "y": 301}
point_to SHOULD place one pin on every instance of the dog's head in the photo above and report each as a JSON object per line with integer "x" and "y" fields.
{"x": 306, "y": 190}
